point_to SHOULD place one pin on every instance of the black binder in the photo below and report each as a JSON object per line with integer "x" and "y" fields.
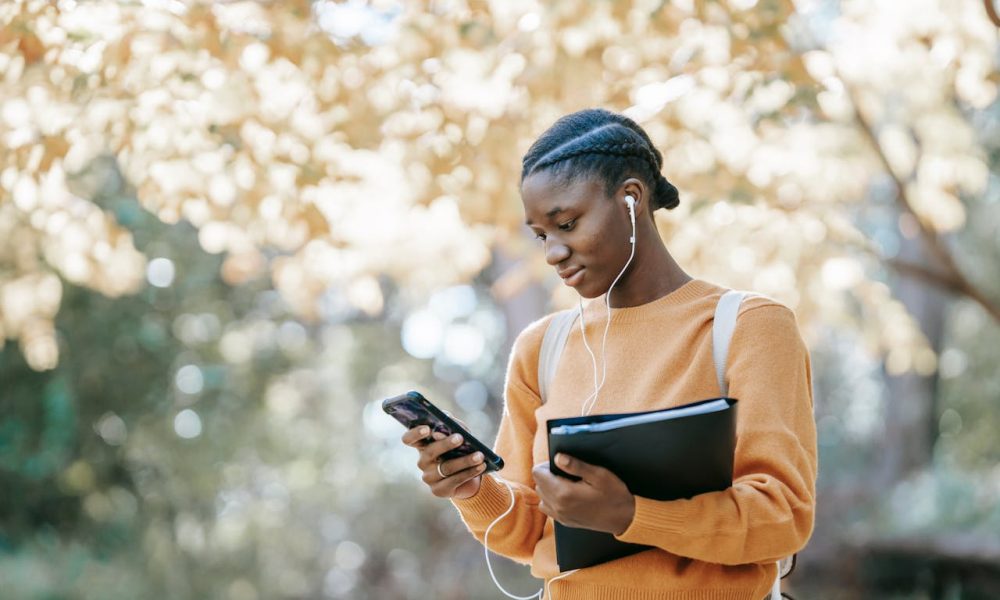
{"x": 662, "y": 460}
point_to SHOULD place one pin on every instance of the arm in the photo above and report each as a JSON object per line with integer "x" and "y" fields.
{"x": 515, "y": 535}
{"x": 767, "y": 514}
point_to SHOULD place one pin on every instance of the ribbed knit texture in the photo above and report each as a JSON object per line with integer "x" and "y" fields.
{"x": 715, "y": 546}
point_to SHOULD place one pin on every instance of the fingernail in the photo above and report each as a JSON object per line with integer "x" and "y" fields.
{"x": 438, "y": 435}
{"x": 477, "y": 457}
{"x": 456, "y": 439}
{"x": 424, "y": 431}
{"x": 563, "y": 460}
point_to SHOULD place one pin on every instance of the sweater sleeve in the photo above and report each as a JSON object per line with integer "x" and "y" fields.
{"x": 516, "y": 534}
{"x": 768, "y": 512}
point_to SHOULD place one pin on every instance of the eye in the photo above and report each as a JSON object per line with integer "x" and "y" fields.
{"x": 568, "y": 225}
{"x": 540, "y": 237}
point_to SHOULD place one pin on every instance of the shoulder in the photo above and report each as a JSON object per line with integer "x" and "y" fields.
{"x": 705, "y": 297}
{"x": 528, "y": 343}
{"x": 523, "y": 365}
{"x": 763, "y": 320}
{"x": 758, "y": 307}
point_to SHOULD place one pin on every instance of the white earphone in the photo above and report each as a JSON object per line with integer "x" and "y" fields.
{"x": 588, "y": 405}
{"x": 591, "y": 401}
{"x": 630, "y": 201}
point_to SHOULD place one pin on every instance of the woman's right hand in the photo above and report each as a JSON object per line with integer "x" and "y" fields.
{"x": 462, "y": 476}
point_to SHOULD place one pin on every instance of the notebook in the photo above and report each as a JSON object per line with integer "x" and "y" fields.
{"x": 666, "y": 454}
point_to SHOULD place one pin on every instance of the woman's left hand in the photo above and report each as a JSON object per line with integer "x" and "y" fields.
{"x": 599, "y": 501}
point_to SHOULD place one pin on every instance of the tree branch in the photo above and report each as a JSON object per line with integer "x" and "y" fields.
{"x": 991, "y": 12}
{"x": 953, "y": 279}
{"x": 956, "y": 280}
{"x": 927, "y": 275}
{"x": 945, "y": 281}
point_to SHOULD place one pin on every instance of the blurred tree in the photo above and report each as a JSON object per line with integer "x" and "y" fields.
{"x": 332, "y": 131}
{"x": 196, "y": 440}
{"x": 308, "y": 172}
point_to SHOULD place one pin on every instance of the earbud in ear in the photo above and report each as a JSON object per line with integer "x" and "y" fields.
{"x": 630, "y": 201}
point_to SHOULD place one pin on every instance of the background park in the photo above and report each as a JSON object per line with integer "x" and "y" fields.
{"x": 228, "y": 230}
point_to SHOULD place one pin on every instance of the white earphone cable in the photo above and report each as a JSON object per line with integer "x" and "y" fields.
{"x": 587, "y": 406}
{"x": 593, "y": 359}
{"x": 545, "y": 592}
{"x": 591, "y": 401}
{"x": 486, "y": 546}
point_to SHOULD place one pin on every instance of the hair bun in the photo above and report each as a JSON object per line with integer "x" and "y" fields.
{"x": 665, "y": 195}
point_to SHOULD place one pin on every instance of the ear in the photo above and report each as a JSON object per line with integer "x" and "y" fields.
{"x": 638, "y": 190}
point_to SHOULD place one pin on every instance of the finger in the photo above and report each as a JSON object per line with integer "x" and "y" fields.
{"x": 457, "y": 465}
{"x": 416, "y": 436}
{"x": 575, "y": 466}
{"x": 546, "y": 483}
{"x": 460, "y": 477}
{"x": 447, "y": 470}
{"x": 438, "y": 471}
{"x": 541, "y": 473}
{"x": 432, "y": 452}
{"x": 445, "y": 488}
{"x": 549, "y": 511}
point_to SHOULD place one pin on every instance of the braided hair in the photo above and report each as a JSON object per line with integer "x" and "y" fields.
{"x": 600, "y": 143}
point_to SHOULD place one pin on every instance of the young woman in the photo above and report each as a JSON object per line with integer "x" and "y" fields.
{"x": 575, "y": 185}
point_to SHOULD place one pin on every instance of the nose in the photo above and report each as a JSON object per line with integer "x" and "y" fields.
{"x": 555, "y": 252}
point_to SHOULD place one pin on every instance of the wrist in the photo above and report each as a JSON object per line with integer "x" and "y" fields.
{"x": 625, "y": 516}
{"x": 473, "y": 486}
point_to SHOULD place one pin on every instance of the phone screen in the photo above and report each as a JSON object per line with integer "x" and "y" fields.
{"x": 412, "y": 409}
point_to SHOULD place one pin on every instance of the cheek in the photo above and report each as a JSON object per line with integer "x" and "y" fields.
{"x": 594, "y": 240}
{"x": 604, "y": 249}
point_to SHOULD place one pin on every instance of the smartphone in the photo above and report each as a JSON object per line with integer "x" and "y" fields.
{"x": 412, "y": 409}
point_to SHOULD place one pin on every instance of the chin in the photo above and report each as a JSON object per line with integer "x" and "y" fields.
{"x": 590, "y": 292}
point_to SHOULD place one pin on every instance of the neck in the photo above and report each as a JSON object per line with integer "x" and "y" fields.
{"x": 652, "y": 275}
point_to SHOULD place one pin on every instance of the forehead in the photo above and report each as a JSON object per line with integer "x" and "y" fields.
{"x": 544, "y": 193}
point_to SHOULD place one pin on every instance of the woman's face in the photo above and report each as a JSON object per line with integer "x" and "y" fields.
{"x": 584, "y": 233}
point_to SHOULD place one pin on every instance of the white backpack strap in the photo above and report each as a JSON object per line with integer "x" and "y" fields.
{"x": 726, "y": 312}
{"x": 722, "y": 332}
{"x": 552, "y": 346}
{"x": 785, "y": 566}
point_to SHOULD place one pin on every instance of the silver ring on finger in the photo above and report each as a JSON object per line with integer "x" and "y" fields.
{"x": 440, "y": 472}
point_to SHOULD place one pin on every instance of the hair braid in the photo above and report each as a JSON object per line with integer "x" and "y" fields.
{"x": 580, "y": 144}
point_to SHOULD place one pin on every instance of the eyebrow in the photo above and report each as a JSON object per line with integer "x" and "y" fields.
{"x": 555, "y": 211}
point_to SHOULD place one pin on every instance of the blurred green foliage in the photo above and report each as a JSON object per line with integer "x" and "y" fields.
{"x": 200, "y": 441}
{"x": 295, "y": 485}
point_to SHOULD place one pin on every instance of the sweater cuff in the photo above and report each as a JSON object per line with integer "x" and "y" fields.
{"x": 491, "y": 501}
{"x": 655, "y": 519}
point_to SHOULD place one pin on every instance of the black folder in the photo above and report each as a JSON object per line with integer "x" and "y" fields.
{"x": 662, "y": 460}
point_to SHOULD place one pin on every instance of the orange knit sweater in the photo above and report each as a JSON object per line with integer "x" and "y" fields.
{"x": 718, "y": 546}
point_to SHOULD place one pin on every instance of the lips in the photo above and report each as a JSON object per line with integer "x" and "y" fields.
{"x": 572, "y": 275}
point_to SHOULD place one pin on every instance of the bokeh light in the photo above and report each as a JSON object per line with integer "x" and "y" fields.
{"x": 160, "y": 272}
{"x": 229, "y": 230}
{"x": 187, "y": 424}
{"x": 189, "y": 379}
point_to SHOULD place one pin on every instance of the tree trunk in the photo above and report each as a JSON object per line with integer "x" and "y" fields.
{"x": 529, "y": 303}
{"x": 910, "y": 410}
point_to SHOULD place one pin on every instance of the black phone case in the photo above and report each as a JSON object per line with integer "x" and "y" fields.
{"x": 412, "y": 409}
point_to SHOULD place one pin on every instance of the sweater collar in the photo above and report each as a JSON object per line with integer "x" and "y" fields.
{"x": 690, "y": 291}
